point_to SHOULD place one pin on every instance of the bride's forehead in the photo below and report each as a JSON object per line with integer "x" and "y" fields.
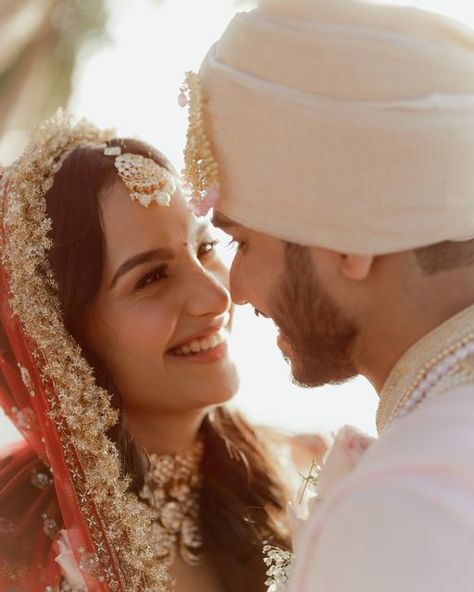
{"x": 123, "y": 216}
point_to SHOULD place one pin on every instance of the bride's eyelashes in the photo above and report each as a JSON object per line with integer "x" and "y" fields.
{"x": 156, "y": 275}
{"x": 152, "y": 277}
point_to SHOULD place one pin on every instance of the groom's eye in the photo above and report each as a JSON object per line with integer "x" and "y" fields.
{"x": 235, "y": 244}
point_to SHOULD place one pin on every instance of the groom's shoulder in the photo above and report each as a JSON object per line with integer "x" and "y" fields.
{"x": 413, "y": 487}
{"x": 369, "y": 529}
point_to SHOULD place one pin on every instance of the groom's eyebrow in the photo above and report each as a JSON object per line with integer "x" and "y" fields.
{"x": 224, "y": 223}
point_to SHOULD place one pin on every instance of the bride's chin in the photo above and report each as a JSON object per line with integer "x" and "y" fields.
{"x": 226, "y": 387}
{"x": 231, "y": 381}
{"x": 207, "y": 384}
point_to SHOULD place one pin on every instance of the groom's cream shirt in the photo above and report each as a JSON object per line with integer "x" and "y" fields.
{"x": 403, "y": 520}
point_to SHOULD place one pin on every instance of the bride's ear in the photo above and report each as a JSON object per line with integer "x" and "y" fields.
{"x": 356, "y": 267}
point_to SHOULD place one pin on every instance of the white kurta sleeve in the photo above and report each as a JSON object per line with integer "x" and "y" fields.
{"x": 402, "y": 533}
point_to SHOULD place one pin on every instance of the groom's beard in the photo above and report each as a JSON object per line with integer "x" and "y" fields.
{"x": 321, "y": 337}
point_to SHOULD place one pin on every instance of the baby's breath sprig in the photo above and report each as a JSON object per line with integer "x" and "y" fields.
{"x": 279, "y": 563}
{"x": 310, "y": 480}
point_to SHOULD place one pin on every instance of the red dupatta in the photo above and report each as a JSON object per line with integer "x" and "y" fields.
{"x": 62, "y": 497}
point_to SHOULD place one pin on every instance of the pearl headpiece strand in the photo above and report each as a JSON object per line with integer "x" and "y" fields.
{"x": 201, "y": 171}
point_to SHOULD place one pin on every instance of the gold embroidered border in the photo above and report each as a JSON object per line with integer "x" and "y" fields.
{"x": 415, "y": 363}
{"x": 119, "y": 525}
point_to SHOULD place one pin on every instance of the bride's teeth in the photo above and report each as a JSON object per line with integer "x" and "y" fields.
{"x": 206, "y": 343}
{"x": 202, "y": 344}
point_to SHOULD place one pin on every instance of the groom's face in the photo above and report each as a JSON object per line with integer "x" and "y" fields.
{"x": 281, "y": 281}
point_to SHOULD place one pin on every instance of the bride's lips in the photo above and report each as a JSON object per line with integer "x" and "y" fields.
{"x": 197, "y": 337}
{"x": 204, "y": 357}
{"x": 207, "y": 345}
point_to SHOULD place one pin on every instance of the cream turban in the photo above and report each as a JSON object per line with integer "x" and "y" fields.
{"x": 344, "y": 124}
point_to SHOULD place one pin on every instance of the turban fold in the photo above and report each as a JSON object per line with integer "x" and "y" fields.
{"x": 344, "y": 124}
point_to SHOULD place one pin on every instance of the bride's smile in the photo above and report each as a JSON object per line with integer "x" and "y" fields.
{"x": 162, "y": 315}
{"x": 208, "y": 346}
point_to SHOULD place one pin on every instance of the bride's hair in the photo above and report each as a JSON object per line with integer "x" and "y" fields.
{"x": 242, "y": 502}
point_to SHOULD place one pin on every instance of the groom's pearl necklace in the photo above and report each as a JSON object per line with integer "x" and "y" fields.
{"x": 449, "y": 364}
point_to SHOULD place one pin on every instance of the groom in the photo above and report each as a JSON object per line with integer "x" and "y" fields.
{"x": 344, "y": 137}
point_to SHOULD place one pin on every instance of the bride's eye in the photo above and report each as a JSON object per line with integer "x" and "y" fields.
{"x": 152, "y": 277}
{"x": 207, "y": 248}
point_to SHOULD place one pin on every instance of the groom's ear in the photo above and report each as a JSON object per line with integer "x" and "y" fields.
{"x": 356, "y": 267}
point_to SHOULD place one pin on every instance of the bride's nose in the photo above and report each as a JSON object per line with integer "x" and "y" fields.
{"x": 208, "y": 295}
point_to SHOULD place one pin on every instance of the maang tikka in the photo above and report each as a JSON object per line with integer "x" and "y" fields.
{"x": 145, "y": 179}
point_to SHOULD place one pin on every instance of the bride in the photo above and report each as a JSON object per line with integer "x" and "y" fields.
{"x": 132, "y": 474}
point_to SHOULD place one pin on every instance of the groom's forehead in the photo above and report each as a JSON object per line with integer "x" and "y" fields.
{"x": 226, "y": 224}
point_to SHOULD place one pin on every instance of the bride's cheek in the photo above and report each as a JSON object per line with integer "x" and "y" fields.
{"x": 152, "y": 325}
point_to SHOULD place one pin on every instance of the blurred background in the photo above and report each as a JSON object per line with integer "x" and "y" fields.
{"x": 120, "y": 63}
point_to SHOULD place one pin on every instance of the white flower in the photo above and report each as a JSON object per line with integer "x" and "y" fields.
{"x": 67, "y": 562}
{"x": 300, "y": 510}
{"x": 349, "y": 446}
{"x": 278, "y": 587}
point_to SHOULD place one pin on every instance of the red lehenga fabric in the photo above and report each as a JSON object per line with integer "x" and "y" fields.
{"x": 34, "y": 506}
{"x": 62, "y": 495}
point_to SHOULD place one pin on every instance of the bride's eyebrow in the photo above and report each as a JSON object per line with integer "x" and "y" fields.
{"x": 140, "y": 259}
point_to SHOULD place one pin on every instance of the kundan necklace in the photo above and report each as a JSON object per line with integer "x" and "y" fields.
{"x": 172, "y": 489}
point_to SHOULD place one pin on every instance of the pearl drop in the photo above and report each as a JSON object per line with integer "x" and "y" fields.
{"x": 441, "y": 368}
{"x": 422, "y": 386}
{"x": 451, "y": 361}
{"x": 431, "y": 379}
{"x": 418, "y": 394}
{"x": 182, "y": 100}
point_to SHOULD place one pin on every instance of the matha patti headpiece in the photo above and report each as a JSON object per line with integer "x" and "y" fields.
{"x": 145, "y": 179}
{"x": 201, "y": 171}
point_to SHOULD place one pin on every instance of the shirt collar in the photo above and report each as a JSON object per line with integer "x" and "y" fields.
{"x": 418, "y": 357}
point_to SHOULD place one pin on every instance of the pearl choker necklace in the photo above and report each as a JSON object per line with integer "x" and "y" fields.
{"x": 172, "y": 489}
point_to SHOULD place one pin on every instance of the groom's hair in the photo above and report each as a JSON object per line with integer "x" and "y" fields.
{"x": 445, "y": 256}
{"x": 297, "y": 255}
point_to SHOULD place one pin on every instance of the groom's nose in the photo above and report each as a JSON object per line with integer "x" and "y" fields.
{"x": 235, "y": 284}
{"x": 209, "y": 295}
